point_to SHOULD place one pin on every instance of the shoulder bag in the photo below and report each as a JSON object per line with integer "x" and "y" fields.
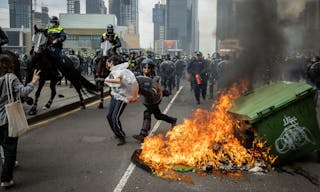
{"x": 17, "y": 121}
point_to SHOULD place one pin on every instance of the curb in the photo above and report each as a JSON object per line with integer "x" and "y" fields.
{"x": 54, "y": 112}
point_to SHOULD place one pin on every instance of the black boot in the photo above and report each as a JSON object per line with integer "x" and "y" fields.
{"x": 122, "y": 141}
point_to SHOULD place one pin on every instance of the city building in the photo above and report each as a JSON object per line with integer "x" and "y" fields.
{"x": 84, "y": 31}
{"x": 225, "y": 19}
{"x": 158, "y": 19}
{"x": 309, "y": 18}
{"x": 95, "y": 7}
{"x": 73, "y": 6}
{"x": 20, "y": 13}
{"x": 127, "y": 13}
{"x": 19, "y": 40}
{"x": 182, "y": 24}
{"x": 41, "y": 19}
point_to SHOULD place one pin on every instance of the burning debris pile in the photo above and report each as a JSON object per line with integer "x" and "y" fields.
{"x": 207, "y": 140}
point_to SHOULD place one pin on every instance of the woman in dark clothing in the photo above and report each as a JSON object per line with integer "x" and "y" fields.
{"x": 9, "y": 144}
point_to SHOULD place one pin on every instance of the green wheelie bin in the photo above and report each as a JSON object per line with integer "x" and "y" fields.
{"x": 282, "y": 114}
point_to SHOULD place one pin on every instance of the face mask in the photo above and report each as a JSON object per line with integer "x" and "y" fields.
{"x": 52, "y": 25}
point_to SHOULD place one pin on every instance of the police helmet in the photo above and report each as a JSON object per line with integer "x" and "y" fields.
{"x": 110, "y": 29}
{"x": 71, "y": 52}
{"x": 216, "y": 55}
{"x": 198, "y": 53}
{"x": 148, "y": 63}
{"x": 54, "y": 20}
{"x": 98, "y": 51}
{"x": 133, "y": 53}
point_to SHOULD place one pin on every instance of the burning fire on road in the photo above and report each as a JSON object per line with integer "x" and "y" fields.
{"x": 206, "y": 140}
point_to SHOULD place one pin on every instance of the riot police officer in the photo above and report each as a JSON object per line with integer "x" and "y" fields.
{"x": 167, "y": 74}
{"x": 148, "y": 69}
{"x": 198, "y": 70}
{"x": 213, "y": 72}
{"x": 180, "y": 67}
{"x": 152, "y": 92}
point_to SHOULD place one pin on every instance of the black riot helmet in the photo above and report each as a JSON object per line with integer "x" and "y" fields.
{"x": 110, "y": 29}
{"x": 148, "y": 63}
{"x": 54, "y": 21}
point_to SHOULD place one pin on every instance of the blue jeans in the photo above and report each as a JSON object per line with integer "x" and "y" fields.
{"x": 116, "y": 108}
{"x": 9, "y": 145}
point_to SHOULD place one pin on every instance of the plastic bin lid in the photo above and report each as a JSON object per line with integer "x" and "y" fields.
{"x": 263, "y": 100}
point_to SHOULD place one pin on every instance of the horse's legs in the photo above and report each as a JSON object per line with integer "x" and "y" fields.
{"x": 100, "y": 106}
{"x": 78, "y": 89}
{"x": 33, "y": 109}
{"x": 53, "y": 93}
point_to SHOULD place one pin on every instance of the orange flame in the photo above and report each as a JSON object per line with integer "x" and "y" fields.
{"x": 205, "y": 139}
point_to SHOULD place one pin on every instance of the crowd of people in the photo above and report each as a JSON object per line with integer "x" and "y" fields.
{"x": 130, "y": 74}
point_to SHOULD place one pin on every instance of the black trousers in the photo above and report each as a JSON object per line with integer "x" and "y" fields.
{"x": 116, "y": 109}
{"x": 202, "y": 88}
{"x": 9, "y": 145}
{"x": 155, "y": 110}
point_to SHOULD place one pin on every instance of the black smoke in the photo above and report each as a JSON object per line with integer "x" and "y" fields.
{"x": 272, "y": 35}
{"x": 261, "y": 43}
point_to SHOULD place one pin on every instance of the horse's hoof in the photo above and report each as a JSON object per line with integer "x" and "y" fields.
{"x": 82, "y": 107}
{"x": 100, "y": 106}
{"x": 48, "y": 106}
{"x": 32, "y": 111}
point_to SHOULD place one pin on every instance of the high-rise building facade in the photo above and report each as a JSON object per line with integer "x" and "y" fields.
{"x": 41, "y": 19}
{"x": 158, "y": 18}
{"x": 182, "y": 24}
{"x": 95, "y": 7}
{"x": 225, "y": 19}
{"x": 73, "y": 6}
{"x": 20, "y": 13}
{"x": 127, "y": 13}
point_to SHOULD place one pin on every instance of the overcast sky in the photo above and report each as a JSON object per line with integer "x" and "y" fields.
{"x": 207, "y": 12}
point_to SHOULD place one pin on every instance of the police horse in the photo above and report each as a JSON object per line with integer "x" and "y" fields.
{"x": 43, "y": 59}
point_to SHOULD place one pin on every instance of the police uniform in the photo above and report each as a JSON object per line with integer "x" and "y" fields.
{"x": 57, "y": 33}
{"x": 152, "y": 93}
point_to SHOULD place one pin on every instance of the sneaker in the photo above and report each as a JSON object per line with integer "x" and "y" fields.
{"x": 122, "y": 141}
{"x": 174, "y": 123}
{"x": 7, "y": 185}
{"x": 138, "y": 137}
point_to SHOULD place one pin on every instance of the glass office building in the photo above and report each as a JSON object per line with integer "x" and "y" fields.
{"x": 20, "y": 13}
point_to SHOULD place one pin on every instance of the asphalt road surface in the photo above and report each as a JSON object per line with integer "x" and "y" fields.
{"x": 77, "y": 152}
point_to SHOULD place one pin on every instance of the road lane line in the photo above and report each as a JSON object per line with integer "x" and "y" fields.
{"x": 127, "y": 174}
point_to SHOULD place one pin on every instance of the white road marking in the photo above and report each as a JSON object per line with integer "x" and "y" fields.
{"x": 127, "y": 174}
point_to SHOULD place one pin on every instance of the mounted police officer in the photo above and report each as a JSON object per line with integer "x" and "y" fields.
{"x": 3, "y": 39}
{"x": 57, "y": 34}
{"x": 112, "y": 38}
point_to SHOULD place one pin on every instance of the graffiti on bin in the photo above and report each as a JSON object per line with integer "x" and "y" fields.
{"x": 293, "y": 136}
